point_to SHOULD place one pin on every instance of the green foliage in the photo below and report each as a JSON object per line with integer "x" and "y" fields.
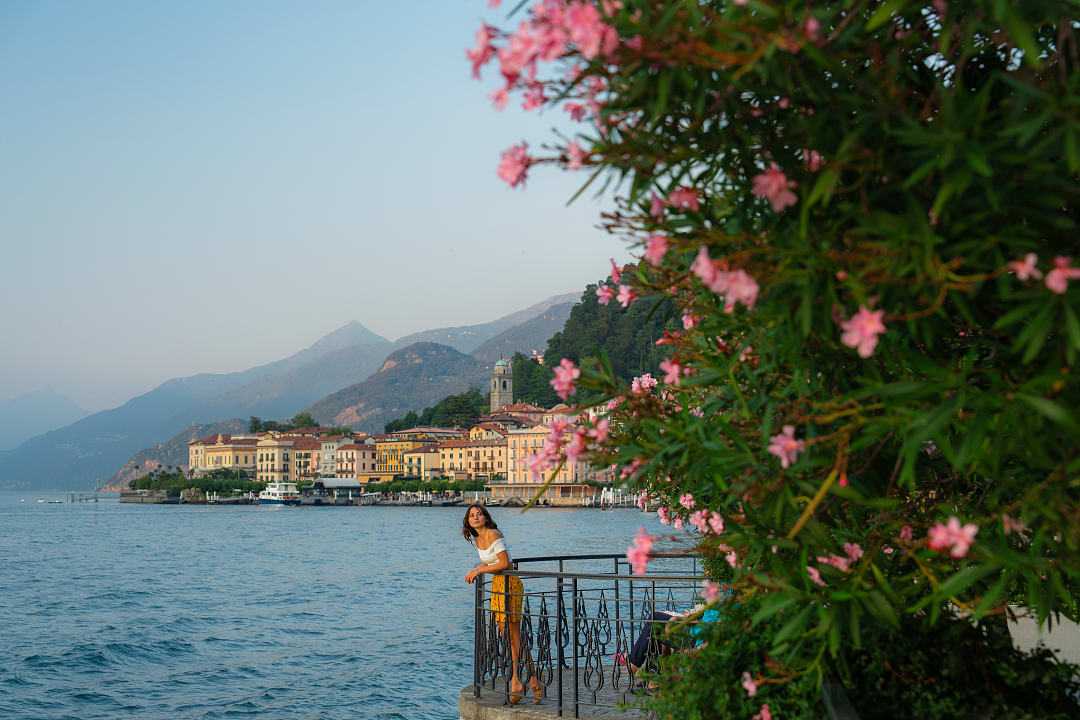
{"x": 460, "y": 410}
{"x": 222, "y": 481}
{"x": 300, "y": 420}
{"x": 532, "y": 382}
{"x": 417, "y": 485}
{"x": 925, "y": 147}
{"x": 627, "y": 338}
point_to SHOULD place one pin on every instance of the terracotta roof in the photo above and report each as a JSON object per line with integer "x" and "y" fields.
{"x": 306, "y": 444}
{"x": 521, "y": 407}
{"x": 425, "y": 449}
{"x": 494, "y": 427}
{"x": 472, "y": 443}
{"x": 350, "y": 446}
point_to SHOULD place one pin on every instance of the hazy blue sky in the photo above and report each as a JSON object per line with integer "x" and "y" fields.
{"x": 200, "y": 187}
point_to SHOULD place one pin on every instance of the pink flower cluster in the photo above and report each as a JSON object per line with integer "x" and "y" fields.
{"x": 852, "y": 553}
{"x": 706, "y": 520}
{"x": 638, "y": 553}
{"x": 764, "y": 714}
{"x": 673, "y": 371}
{"x": 861, "y": 331}
{"x": 774, "y": 186}
{"x": 952, "y": 536}
{"x": 784, "y": 446}
{"x": 655, "y": 249}
{"x": 736, "y": 286}
{"x": 514, "y": 165}
{"x": 1057, "y": 280}
{"x": 566, "y": 374}
{"x": 749, "y": 685}
{"x": 710, "y": 592}
{"x": 684, "y": 198}
{"x": 642, "y": 384}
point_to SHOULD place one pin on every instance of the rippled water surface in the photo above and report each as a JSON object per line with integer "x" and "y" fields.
{"x": 150, "y": 611}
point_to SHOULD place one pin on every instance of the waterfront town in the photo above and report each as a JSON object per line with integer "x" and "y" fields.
{"x": 493, "y": 452}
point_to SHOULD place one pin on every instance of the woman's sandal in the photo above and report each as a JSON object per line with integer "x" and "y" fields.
{"x": 537, "y": 691}
{"x": 516, "y": 695}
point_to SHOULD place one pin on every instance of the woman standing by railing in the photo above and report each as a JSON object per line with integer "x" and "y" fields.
{"x": 506, "y": 591}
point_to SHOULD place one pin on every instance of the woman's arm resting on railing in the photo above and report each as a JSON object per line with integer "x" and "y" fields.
{"x": 496, "y": 567}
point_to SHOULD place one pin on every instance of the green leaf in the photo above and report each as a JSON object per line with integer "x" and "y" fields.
{"x": 1072, "y": 327}
{"x": 1051, "y": 410}
{"x": 989, "y": 600}
{"x": 823, "y": 187}
{"x": 771, "y": 606}
{"x": 883, "y": 14}
{"x": 793, "y": 627}
{"x": 880, "y": 608}
{"x": 964, "y": 578}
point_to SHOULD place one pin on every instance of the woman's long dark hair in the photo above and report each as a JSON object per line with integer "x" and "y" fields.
{"x": 467, "y": 530}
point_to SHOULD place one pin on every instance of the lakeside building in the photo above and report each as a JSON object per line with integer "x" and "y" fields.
{"x": 305, "y": 459}
{"x": 222, "y": 450}
{"x": 488, "y": 431}
{"x": 570, "y": 486}
{"x": 328, "y": 453}
{"x": 473, "y": 459}
{"x": 430, "y": 434}
{"x": 357, "y": 461}
{"x": 424, "y": 462}
{"x": 502, "y": 384}
{"x": 391, "y": 451}
{"x": 274, "y": 459}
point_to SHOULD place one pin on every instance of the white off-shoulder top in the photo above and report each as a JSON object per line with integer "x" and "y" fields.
{"x": 490, "y": 554}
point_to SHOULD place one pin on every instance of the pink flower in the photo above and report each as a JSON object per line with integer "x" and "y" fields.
{"x": 732, "y": 558}
{"x": 664, "y": 515}
{"x": 655, "y": 249}
{"x": 642, "y": 384}
{"x": 576, "y": 447}
{"x": 1026, "y": 269}
{"x": 576, "y": 156}
{"x": 684, "y": 198}
{"x": 499, "y": 98}
{"x": 605, "y": 294}
{"x": 887, "y": 550}
{"x": 815, "y": 576}
{"x": 616, "y": 272}
{"x": 483, "y": 50}
{"x": 1057, "y": 280}
{"x": 690, "y": 321}
{"x": 812, "y": 159}
{"x": 566, "y": 373}
{"x": 677, "y": 523}
{"x": 626, "y": 295}
{"x": 699, "y": 521}
{"x": 906, "y": 534}
{"x": 656, "y": 207}
{"x": 711, "y": 591}
{"x": 588, "y": 31}
{"x": 631, "y": 468}
{"x": 642, "y": 500}
{"x": 716, "y": 523}
{"x": 812, "y": 28}
{"x": 776, "y": 188}
{"x": 764, "y": 714}
{"x": 953, "y": 537}
{"x": 599, "y": 432}
{"x": 638, "y": 553}
{"x": 494, "y": 3}
{"x": 786, "y": 447}
{"x": 854, "y": 551}
{"x": 840, "y": 563}
{"x": 862, "y": 330}
{"x": 514, "y": 165}
{"x": 672, "y": 371}
{"x": 749, "y": 685}
{"x": 737, "y": 286}
{"x": 576, "y": 110}
{"x": 687, "y": 501}
{"x": 1012, "y": 525}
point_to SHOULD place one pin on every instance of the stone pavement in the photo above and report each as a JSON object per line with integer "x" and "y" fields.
{"x": 491, "y": 705}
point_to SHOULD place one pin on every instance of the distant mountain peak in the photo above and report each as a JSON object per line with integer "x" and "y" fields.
{"x": 350, "y": 334}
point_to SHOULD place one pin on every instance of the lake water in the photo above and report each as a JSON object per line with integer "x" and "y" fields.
{"x": 149, "y": 611}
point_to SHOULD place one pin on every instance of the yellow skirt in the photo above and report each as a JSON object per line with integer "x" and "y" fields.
{"x": 506, "y": 591}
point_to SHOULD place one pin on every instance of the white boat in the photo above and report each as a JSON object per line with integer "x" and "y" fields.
{"x": 280, "y": 493}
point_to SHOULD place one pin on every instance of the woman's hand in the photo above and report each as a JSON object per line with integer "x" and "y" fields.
{"x": 471, "y": 576}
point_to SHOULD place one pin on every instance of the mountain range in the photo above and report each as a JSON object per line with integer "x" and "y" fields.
{"x": 322, "y": 377}
{"x": 33, "y": 413}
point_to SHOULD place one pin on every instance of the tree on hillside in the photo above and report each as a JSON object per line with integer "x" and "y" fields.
{"x": 626, "y": 337}
{"x": 532, "y": 382}
{"x": 461, "y": 410}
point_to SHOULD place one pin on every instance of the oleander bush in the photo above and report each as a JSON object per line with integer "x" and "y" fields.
{"x": 865, "y": 213}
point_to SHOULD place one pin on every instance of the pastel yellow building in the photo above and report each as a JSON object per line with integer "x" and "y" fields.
{"x": 222, "y": 451}
{"x": 274, "y": 459}
{"x": 424, "y": 462}
{"x": 487, "y": 431}
{"x": 569, "y": 486}
{"x": 390, "y": 458}
{"x": 473, "y": 459}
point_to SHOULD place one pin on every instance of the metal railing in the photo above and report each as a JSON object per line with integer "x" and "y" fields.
{"x": 583, "y": 625}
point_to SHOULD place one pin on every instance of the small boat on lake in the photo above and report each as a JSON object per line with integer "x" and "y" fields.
{"x": 280, "y": 493}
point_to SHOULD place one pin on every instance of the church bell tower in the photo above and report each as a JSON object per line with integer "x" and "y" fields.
{"x": 502, "y": 385}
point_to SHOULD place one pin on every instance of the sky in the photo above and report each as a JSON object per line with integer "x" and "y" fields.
{"x": 205, "y": 186}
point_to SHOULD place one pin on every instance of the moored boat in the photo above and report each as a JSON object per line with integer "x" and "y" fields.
{"x": 280, "y": 493}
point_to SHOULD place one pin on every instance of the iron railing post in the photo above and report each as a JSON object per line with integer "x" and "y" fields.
{"x": 558, "y": 637}
{"x": 478, "y": 621}
{"x": 574, "y": 589}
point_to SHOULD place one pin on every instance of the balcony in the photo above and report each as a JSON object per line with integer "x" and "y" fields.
{"x": 580, "y": 618}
